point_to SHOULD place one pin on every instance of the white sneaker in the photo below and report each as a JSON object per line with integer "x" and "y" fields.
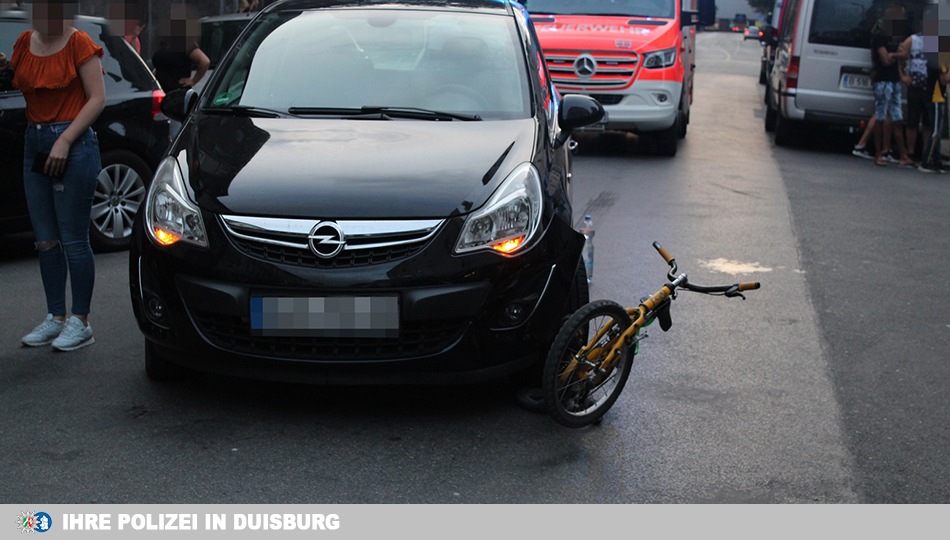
{"x": 44, "y": 333}
{"x": 930, "y": 169}
{"x": 76, "y": 335}
{"x": 862, "y": 152}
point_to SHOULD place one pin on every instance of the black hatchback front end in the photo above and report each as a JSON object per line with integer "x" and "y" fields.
{"x": 365, "y": 192}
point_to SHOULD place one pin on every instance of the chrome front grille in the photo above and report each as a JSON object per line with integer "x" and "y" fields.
{"x": 288, "y": 241}
{"x": 613, "y": 70}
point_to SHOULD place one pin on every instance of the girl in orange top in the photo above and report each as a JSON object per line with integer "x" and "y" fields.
{"x": 58, "y": 70}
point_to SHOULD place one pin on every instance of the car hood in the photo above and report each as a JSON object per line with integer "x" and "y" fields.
{"x": 571, "y": 32}
{"x": 350, "y": 169}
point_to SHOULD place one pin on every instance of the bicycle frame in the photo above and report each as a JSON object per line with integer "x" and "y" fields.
{"x": 639, "y": 319}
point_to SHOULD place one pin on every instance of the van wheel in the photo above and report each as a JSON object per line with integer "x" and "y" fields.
{"x": 120, "y": 191}
{"x": 784, "y": 131}
{"x": 684, "y": 121}
{"x": 668, "y": 139}
{"x": 770, "y": 114}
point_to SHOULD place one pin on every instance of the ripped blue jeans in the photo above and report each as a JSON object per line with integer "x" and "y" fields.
{"x": 60, "y": 212}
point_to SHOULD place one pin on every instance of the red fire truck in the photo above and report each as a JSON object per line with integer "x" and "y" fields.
{"x": 636, "y": 57}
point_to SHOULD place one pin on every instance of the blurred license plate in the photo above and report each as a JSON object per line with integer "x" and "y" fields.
{"x": 855, "y": 82}
{"x": 326, "y": 316}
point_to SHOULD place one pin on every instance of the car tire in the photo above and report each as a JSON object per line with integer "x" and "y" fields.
{"x": 159, "y": 368}
{"x": 528, "y": 395}
{"x": 120, "y": 192}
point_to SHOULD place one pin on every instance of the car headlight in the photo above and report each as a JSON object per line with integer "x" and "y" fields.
{"x": 660, "y": 59}
{"x": 169, "y": 216}
{"x": 511, "y": 217}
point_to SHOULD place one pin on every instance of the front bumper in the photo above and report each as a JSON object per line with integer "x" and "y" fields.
{"x": 649, "y": 106}
{"x": 461, "y": 318}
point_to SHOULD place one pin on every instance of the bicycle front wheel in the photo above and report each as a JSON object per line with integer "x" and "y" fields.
{"x": 577, "y": 391}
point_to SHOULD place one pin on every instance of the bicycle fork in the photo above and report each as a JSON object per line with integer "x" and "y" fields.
{"x": 591, "y": 363}
{"x": 582, "y": 367}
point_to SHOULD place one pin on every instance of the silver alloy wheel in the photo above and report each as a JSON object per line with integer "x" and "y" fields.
{"x": 120, "y": 191}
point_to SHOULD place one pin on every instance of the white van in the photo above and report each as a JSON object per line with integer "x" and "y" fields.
{"x": 769, "y": 40}
{"x": 821, "y": 72}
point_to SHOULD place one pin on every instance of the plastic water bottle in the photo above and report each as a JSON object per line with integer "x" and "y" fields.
{"x": 587, "y": 229}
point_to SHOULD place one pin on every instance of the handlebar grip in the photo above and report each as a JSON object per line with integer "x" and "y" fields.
{"x": 749, "y": 286}
{"x": 663, "y": 253}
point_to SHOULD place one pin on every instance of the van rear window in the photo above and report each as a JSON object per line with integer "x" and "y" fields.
{"x": 849, "y": 23}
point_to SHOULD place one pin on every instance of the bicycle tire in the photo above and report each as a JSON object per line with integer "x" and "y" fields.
{"x": 578, "y": 403}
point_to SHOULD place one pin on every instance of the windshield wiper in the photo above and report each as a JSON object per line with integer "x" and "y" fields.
{"x": 385, "y": 113}
{"x": 245, "y": 110}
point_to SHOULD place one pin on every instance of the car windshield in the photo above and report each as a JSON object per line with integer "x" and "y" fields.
{"x": 661, "y": 9}
{"x": 341, "y": 61}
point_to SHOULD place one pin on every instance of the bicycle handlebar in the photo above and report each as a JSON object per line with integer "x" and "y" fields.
{"x": 681, "y": 281}
{"x": 664, "y": 253}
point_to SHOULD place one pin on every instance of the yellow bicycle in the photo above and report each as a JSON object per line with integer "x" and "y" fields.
{"x": 590, "y": 359}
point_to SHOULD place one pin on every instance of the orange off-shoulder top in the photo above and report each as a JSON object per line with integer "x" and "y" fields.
{"x": 51, "y": 85}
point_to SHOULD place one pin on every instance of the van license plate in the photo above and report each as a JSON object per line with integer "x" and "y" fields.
{"x": 326, "y": 316}
{"x": 855, "y": 82}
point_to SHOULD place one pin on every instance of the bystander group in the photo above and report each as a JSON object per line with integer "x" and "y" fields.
{"x": 913, "y": 60}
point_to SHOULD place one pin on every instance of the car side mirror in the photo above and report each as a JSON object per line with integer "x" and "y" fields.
{"x": 178, "y": 103}
{"x": 577, "y": 111}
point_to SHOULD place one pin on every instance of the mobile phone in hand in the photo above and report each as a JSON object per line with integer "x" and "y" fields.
{"x": 39, "y": 163}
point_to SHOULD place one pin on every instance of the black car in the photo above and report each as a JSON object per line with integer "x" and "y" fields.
{"x": 365, "y": 193}
{"x": 132, "y": 132}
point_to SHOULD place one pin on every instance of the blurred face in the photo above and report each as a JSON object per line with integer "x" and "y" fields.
{"x": 894, "y": 22}
{"x": 935, "y": 29}
{"x": 50, "y": 16}
{"x": 182, "y": 28}
{"x": 123, "y": 20}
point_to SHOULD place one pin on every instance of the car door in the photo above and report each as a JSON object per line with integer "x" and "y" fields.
{"x": 13, "y": 214}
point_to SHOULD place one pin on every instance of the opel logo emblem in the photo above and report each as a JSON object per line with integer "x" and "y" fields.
{"x": 585, "y": 66}
{"x": 326, "y": 240}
